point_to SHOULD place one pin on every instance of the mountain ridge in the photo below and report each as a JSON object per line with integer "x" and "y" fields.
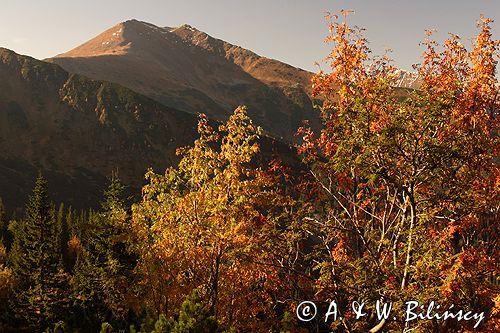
{"x": 78, "y": 130}
{"x": 187, "y": 69}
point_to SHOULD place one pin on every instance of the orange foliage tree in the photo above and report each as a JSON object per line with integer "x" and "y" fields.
{"x": 6, "y": 279}
{"x": 403, "y": 185}
{"x": 215, "y": 224}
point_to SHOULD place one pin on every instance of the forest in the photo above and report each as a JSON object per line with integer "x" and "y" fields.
{"x": 395, "y": 198}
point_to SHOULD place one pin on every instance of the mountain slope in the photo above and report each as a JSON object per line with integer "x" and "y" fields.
{"x": 78, "y": 131}
{"x": 189, "y": 70}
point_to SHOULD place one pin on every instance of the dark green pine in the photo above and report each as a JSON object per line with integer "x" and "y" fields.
{"x": 103, "y": 270}
{"x": 35, "y": 245}
{"x": 35, "y": 257}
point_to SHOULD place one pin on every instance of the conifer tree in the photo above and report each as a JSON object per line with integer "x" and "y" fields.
{"x": 35, "y": 250}
{"x": 194, "y": 317}
{"x": 39, "y": 288}
{"x": 103, "y": 269}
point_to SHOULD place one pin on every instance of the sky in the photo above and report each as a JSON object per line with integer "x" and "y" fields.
{"x": 292, "y": 31}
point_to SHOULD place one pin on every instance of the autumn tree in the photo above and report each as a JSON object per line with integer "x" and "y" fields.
{"x": 3, "y": 222}
{"x": 212, "y": 224}
{"x": 402, "y": 183}
{"x": 6, "y": 285}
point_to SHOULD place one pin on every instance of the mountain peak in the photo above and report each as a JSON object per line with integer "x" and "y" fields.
{"x": 188, "y": 27}
{"x": 137, "y": 24}
{"x": 185, "y": 68}
{"x": 144, "y": 27}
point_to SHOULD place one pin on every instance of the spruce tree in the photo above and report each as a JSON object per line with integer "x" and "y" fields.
{"x": 35, "y": 249}
{"x": 103, "y": 270}
{"x": 39, "y": 284}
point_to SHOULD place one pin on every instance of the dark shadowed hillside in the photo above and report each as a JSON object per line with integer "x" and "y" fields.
{"x": 78, "y": 131}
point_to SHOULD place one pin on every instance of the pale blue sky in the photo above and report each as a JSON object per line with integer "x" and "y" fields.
{"x": 288, "y": 30}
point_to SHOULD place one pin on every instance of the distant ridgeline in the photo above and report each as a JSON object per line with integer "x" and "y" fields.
{"x": 78, "y": 131}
